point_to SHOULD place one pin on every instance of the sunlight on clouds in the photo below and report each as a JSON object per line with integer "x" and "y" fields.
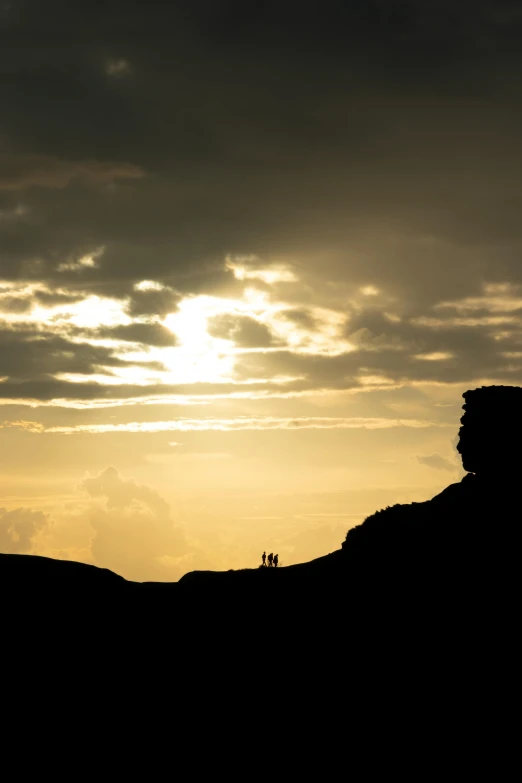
{"x": 493, "y": 304}
{"x": 274, "y": 391}
{"x": 149, "y": 285}
{"x": 435, "y": 356}
{"x": 486, "y": 320}
{"x": 189, "y": 323}
{"x": 91, "y": 312}
{"x": 211, "y": 361}
{"x": 88, "y": 261}
{"x": 22, "y": 289}
{"x": 199, "y": 357}
{"x": 275, "y": 273}
{"x": 202, "y": 357}
{"x": 374, "y": 380}
{"x": 500, "y": 305}
{"x": 325, "y": 338}
{"x": 118, "y": 376}
{"x": 498, "y": 298}
{"x": 369, "y": 290}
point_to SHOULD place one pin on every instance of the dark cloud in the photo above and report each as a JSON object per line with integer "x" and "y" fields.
{"x": 153, "y": 302}
{"x": 246, "y": 332}
{"x": 275, "y": 132}
{"x": 18, "y": 172}
{"x": 50, "y": 298}
{"x": 48, "y": 388}
{"x": 301, "y": 317}
{"x": 34, "y": 357}
{"x": 369, "y": 142}
{"x": 15, "y": 304}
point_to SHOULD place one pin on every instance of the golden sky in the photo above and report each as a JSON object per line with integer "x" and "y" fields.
{"x": 249, "y": 263}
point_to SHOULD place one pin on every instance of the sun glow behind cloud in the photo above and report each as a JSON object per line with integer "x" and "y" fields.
{"x": 198, "y": 354}
{"x": 199, "y": 357}
{"x": 234, "y": 346}
{"x": 202, "y": 357}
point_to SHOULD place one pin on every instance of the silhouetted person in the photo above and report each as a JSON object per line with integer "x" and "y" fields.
{"x": 270, "y": 559}
{"x": 263, "y": 558}
{"x": 276, "y": 561}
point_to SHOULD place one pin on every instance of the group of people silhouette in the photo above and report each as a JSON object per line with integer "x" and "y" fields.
{"x": 270, "y": 561}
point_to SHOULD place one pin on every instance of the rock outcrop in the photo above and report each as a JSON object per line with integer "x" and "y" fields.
{"x": 491, "y": 430}
{"x": 467, "y": 529}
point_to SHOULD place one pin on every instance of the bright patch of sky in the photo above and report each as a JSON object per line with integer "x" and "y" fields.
{"x": 88, "y": 261}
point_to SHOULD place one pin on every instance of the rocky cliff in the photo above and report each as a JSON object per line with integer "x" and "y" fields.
{"x": 491, "y": 430}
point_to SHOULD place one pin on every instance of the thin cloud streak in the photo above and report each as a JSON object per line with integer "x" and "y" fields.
{"x": 19, "y": 172}
{"x": 232, "y": 425}
{"x": 207, "y": 399}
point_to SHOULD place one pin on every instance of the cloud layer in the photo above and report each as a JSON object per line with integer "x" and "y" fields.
{"x": 19, "y": 172}
{"x": 327, "y": 199}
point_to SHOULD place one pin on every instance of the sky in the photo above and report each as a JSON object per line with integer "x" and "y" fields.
{"x": 251, "y": 256}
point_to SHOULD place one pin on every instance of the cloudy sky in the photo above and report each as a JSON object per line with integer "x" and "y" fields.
{"x": 251, "y": 256}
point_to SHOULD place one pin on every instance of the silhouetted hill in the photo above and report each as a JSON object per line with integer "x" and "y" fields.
{"x": 444, "y": 566}
{"x": 18, "y": 571}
